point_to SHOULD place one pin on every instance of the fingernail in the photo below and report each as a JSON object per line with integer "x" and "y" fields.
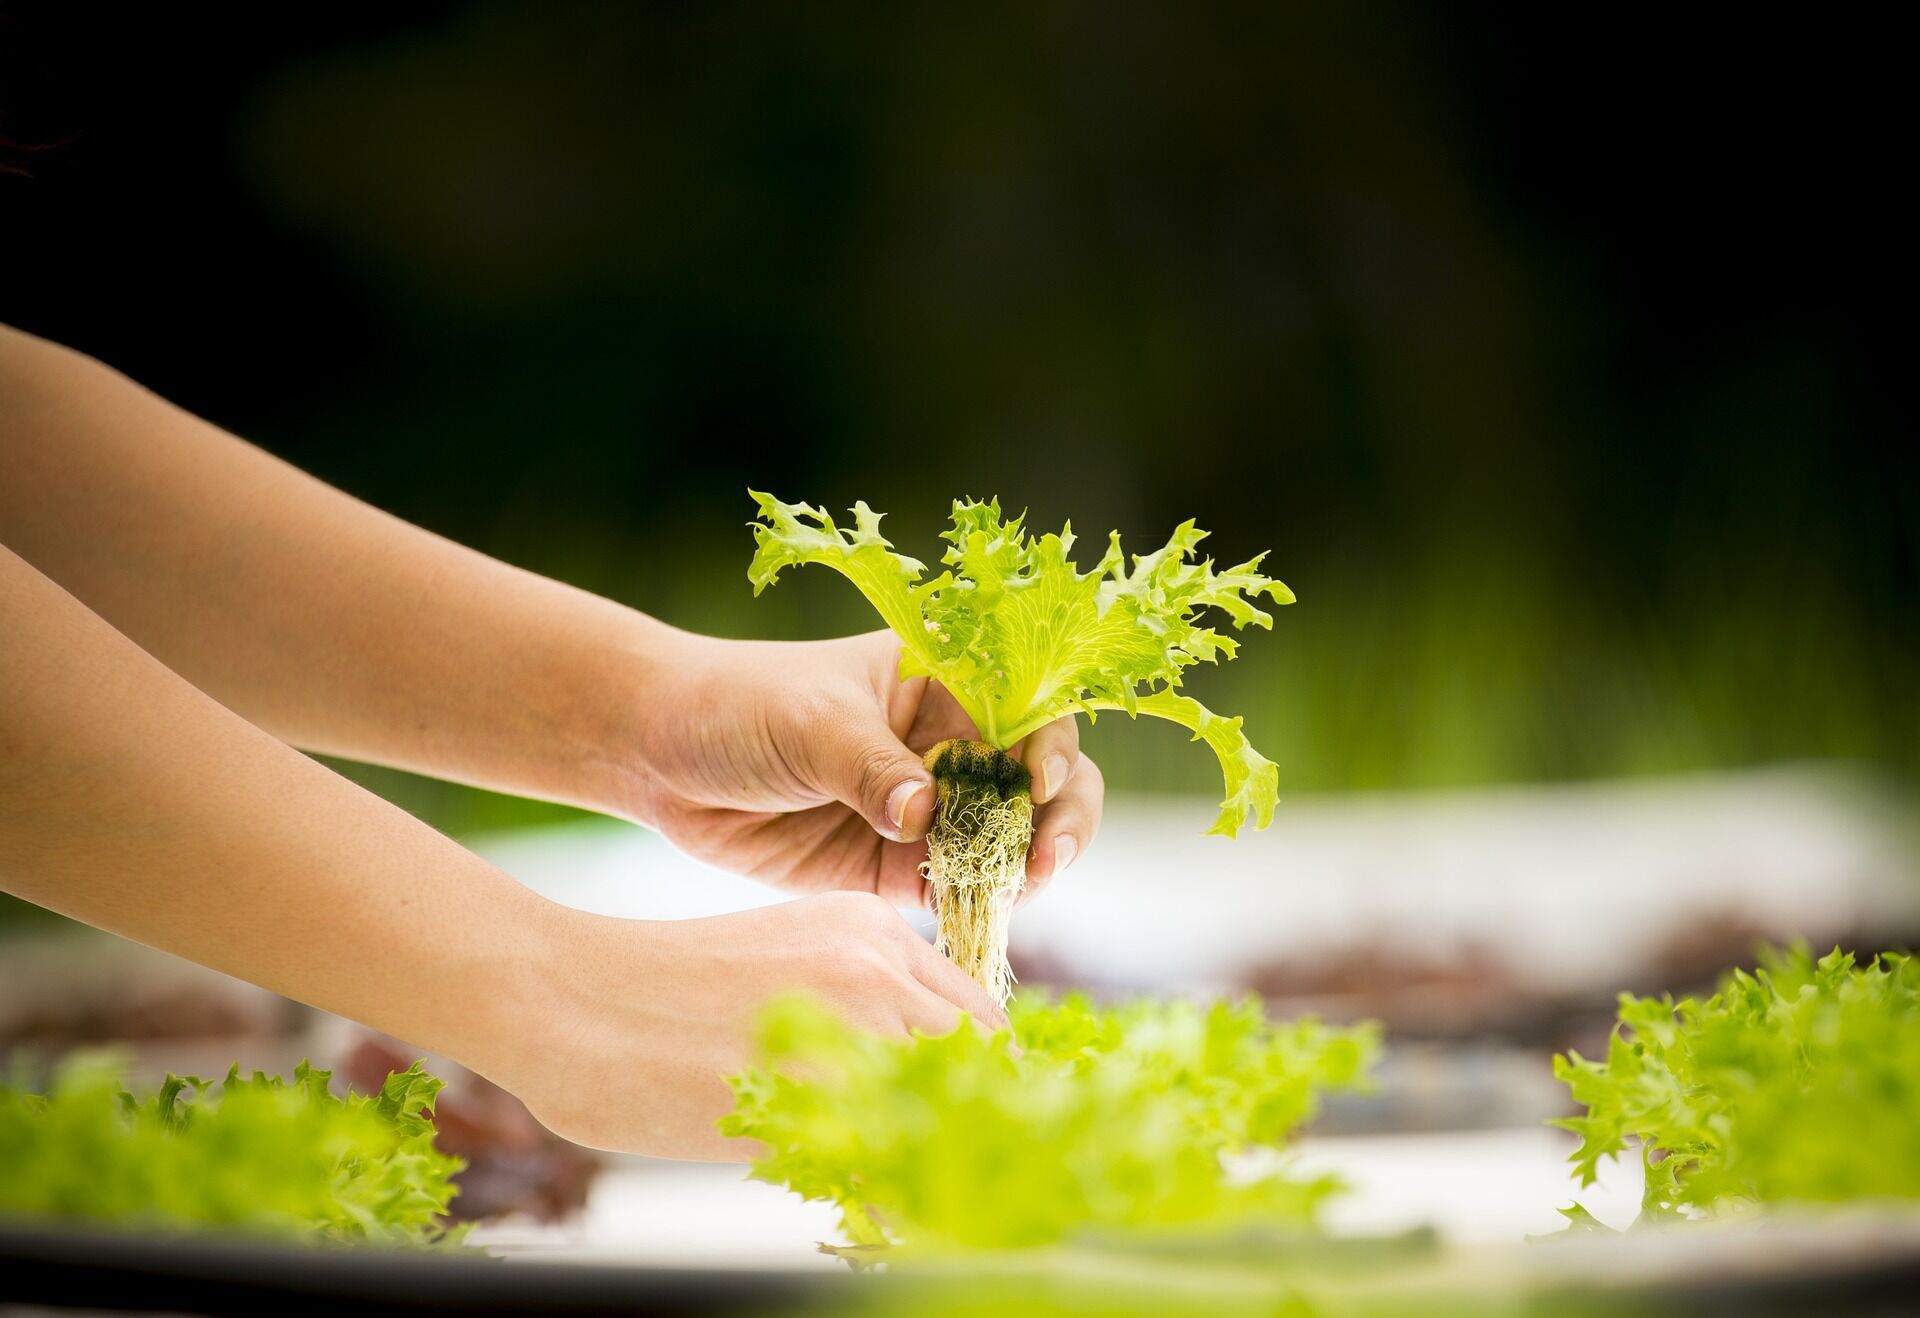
{"x": 1064, "y": 850}
{"x": 1053, "y": 775}
{"x": 897, "y": 802}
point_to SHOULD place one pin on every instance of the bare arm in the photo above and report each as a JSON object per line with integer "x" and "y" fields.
{"x": 133, "y": 801}
{"x": 339, "y": 628}
{"x": 328, "y": 623}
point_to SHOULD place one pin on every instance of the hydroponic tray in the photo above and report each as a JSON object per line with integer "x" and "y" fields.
{"x": 90, "y": 1269}
{"x": 1861, "y": 1262}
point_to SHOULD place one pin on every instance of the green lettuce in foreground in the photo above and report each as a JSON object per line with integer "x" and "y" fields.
{"x": 1799, "y": 1082}
{"x": 1100, "y": 1121}
{"x": 257, "y": 1156}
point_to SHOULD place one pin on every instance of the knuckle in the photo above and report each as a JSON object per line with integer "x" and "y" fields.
{"x": 1092, "y": 785}
{"x": 867, "y": 976}
{"x": 875, "y": 767}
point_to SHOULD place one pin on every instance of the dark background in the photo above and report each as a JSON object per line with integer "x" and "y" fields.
{"x": 1563, "y": 369}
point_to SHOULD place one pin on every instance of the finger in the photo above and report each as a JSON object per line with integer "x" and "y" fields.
{"x": 938, "y": 718}
{"x": 954, "y": 985}
{"x": 1064, "y": 828}
{"x": 926, "y": 1011}
{"x": 900, "y": 880}
{"x": 1051, "y": 755}
{"x": 857, "y": 760}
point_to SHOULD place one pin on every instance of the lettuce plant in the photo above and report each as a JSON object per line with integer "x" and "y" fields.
{"x": 258, "y": 1155}
{"x": 1101, "y": 1121}
{"x": 1798, "y": 1082}
{"x": 1020, "y": 637}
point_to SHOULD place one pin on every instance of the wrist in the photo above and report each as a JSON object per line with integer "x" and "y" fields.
{"x": 519, "y": 1008}
{"x": 587, "y": 1039}
{"x": 637, "y": 683}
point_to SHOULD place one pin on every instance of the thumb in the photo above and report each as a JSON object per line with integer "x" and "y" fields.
{"x": 860, "y": 762}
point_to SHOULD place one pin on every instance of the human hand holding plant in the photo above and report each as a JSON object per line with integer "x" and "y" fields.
{"x": 800, "y": 764}
{"x": 1020, "y": 638}
{"x": 173, "y": 661}
{"x": 169, "y": 662}
{"x": 254, "y": 859}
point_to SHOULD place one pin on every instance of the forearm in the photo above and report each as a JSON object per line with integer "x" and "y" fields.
{"x": 321, "y": 619}
{"x": 133, "y": 802}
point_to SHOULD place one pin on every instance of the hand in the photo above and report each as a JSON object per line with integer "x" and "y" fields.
{"x": 799, "y": 763}
{"x": 655, "y": 1013}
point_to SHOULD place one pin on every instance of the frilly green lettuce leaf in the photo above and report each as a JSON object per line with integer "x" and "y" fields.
{"x": 1020, "y": 636}
{"x": 1795, "y": 1082}
{"x": 255, "y": 1155}
{"x": 1103, "y": 1120}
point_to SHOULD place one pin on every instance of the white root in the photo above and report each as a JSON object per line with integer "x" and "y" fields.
{"x": 977, "y": 858}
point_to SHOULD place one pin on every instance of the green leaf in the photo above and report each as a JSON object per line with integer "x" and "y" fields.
{"x": 1794, "y": 1083}
{"x": 1580, "y": 1222}
{"x": 1020, "y": 636}
{"x": 794, "y": 533}
{"x": 1103, "y": 1120}
{"x": 254, "y": 1155}
{"x": 1252, "y": 780}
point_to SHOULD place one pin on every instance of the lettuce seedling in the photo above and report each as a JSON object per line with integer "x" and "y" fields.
{"x": 253, "y": 1155}
{"x": 1020, "y": 637}
{"x": 1103, "y": 1121}
{"x": 1798, "y": 1082}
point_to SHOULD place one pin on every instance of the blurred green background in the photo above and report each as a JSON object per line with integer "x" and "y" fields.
{"x": 1559, "y": 370}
